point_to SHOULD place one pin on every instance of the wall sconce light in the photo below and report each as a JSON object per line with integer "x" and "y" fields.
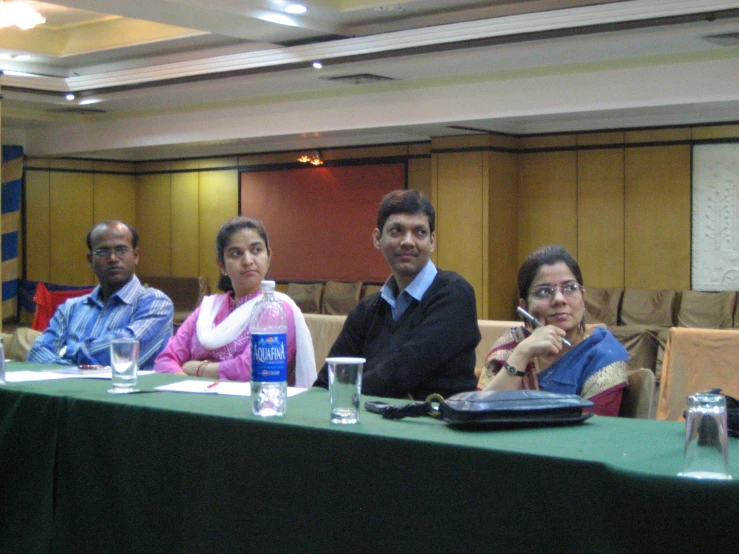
{"x": 313, "y": 158}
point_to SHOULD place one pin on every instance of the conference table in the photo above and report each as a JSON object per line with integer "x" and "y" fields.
{"x": 83, "y": 471}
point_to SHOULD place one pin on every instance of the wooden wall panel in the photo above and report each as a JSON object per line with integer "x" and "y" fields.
{"x": 715, "y": 132}
{"x": 561, "y": 196}
{"x": 646, "y": 136}
{"x": 592, "y": 139}
{"x": 461, "y": 222}
{"x": 114, "y": 198}
{"x": 502, "y": 234}
{"x": 218, "y": 163}
{"x": 419, "y": 175}
{"x": 81, "y": 166}
{"x": 71, "y": 217}
{"x": 37, "y": 226}
{"x": 219, "y": 201}
{"x": 548, "y": 141}
{"x": 657, "y": 216}
{"x": 600, "y": 216}
{"x": 153, "y": 216}
{"x": 185, "y": 225}
{"x": 547, "y": 203}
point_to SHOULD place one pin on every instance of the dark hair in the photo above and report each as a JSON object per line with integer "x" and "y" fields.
{"x": 110, "y": 223}
{"x": 229, "y": 229}
{"x": 548, "y": 255}
{"x": 405, "y": 202}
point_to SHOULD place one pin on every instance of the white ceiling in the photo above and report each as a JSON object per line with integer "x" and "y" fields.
{"x": 217, "y": 78}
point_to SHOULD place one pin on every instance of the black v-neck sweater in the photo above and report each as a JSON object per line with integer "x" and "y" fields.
{"x": 429, "y": 349}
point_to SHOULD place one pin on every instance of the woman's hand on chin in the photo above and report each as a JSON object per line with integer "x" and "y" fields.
{"x": 543, "y": 341}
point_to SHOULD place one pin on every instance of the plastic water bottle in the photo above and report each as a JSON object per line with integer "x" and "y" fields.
{"x": 268, "y": 326}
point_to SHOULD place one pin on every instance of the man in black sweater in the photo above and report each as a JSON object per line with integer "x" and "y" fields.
{"x": 419, "y": 333}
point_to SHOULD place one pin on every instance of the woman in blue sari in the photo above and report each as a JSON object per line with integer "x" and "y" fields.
{"x": 550, "y": 287}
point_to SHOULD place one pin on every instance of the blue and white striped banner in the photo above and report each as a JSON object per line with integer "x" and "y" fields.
{"x": 12, "y": 175}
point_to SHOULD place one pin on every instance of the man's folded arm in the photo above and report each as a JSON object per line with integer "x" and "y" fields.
{"x": 46, "y": 348}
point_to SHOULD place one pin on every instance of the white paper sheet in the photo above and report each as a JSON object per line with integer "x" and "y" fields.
{"x": 23, "y": 376}
{"x": 66, "y": 373}
{"x": 102, "y": 373}
{"x": 231, "y": 388}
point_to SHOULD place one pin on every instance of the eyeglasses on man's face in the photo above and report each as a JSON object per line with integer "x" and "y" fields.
{"x": 547, "y": 292}
{"x": 105, "y": 253}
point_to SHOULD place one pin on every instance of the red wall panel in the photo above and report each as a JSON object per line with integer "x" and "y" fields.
{"x": 320, "y": 219}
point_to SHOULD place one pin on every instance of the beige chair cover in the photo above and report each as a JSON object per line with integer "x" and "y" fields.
{"x": 697, "y": 360}
{"x": 639, "y": 394}
{"x": 324, "y": 329}
{"x": 306, "y": 295}
{"x": 641, "y": 342}
{"x": 648, "y": 307}
{"x": 371, "y": 289}
{"x": 707, "y": 310}
{"x": 340, "y": 298}
{"x": 601, "y": 305}
{"x": 21, "y": 342}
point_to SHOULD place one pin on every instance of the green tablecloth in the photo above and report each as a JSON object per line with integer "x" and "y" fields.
{"x": 86, "y": 471}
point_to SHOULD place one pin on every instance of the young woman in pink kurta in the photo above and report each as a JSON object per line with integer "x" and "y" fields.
{"x": 214, "y": 341}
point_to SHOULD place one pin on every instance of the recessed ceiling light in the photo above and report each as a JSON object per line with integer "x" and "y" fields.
{"x": 317, "y": 65}
{"x": 69, "y": 96}
{"x": 11, "y": 73}
{"x": 296, "y": 8}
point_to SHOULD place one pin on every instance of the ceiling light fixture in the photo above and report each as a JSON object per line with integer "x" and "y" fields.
{"x": 69, "y": 96}
{"x": 13, "y": 73}
{"x": 20, "y": 14}
{"x": 314, "y": 158}
{"x": 296, "y": 9}
{"x": 317, "y": 65}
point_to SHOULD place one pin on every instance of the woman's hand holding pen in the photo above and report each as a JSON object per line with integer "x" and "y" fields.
{"x": 543, "y": 341}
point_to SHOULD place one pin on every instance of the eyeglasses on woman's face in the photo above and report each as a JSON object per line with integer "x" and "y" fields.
{"x": 547, "y": 292}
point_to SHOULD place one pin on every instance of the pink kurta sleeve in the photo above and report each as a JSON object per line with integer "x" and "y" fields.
{"x": 239, "y": 368}
{"x": 178, "y": 350}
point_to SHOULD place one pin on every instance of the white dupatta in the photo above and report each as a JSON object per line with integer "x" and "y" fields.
{"x": 213, "y": 336}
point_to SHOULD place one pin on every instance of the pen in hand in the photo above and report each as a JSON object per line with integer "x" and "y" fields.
{"x": 536, "y": 323}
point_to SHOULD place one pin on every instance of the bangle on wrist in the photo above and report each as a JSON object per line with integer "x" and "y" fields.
{"x": 199, "y": 370}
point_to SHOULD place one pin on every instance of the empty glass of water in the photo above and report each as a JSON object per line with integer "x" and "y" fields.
{"x": 124, "y": 362}
{"x": 345, "y": 388}
{"x": 706, "y": 438}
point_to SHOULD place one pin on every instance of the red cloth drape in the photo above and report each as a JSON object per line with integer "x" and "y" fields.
{"x": 48, "y": 301}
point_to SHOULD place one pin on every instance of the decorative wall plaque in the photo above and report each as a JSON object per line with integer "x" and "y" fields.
{"x": 715, "y": 235}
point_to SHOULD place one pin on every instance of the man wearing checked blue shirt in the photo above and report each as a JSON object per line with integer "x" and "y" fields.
{"x": 419, "y": 333}
{"x": 120, "y": 307}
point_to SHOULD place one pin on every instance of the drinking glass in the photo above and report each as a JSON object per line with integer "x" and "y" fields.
{"x": 345, "y": 388}
{"x": 706, "y": 438}
{"x": 124, "y": 362}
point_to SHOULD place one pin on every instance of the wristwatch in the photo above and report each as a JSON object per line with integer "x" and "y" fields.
{"x": 512, "y": 371}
